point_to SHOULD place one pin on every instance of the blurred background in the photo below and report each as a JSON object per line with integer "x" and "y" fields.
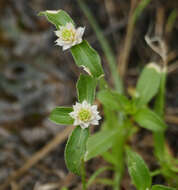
{"x": 36, "y": 76}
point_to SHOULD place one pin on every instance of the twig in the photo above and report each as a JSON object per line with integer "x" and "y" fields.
{"x": 172, "y": 119}
{"x": 173, "y": 67}
{"x": 135, "y": 12}
{"x": 59, "y": 138}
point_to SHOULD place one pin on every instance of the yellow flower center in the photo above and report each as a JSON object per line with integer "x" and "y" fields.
{"x": 84, "y": 115}
{"x": 68, "y": 35}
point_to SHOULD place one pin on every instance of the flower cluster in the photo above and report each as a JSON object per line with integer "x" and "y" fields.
{"x": 85, "y": 114}
{"x": 69, "y": 36}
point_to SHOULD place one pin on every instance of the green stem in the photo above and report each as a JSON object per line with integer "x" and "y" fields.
{"x": 159, "y": 137}
{"x": 83, "y": 173}
{"x": 105, "y": 46}
{"x": 118, "y": 151}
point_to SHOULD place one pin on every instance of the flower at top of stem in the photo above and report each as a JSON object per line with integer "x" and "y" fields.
{"x": 85, "y": 114}
{"x": 69, "y": 36}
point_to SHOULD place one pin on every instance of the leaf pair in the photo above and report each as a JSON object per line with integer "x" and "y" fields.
{"x": 143, "y": 115}
{"x": 76, "y": 145}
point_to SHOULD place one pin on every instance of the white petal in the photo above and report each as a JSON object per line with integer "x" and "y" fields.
{"x": 69, "y": 26}
{"x": 84, "y": 125}
{"x": 98, "y": 117}
{"x": 80, "y": 31}
{"x": 60, "y": 42}
{"x": 95, "y": 122}
{"x": 65, "y": 47}
{"x": 94, "y": 108}
{"x": 58, "y": 33}
{"x": 84, "y": 103}
{"x": 76, "y": 122}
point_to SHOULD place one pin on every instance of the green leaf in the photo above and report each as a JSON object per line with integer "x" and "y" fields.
{"x": 138, "y": 170}
{"x": 75, "y": 149}
{"x": 86, "y": 87}
{"x": 99, "y": 143}
{"x": 113, "y": 100}
{"x": 110, "y": 118}
{"x": 60, "y": 115}
{"x": 85, "y": 56}
{"x": 58, "y": 18}
{"x": 162, "y": 187}
{"x": 148, "y": 84}
{"x": 149, "y": 120}
{"x": 160, "y": 98}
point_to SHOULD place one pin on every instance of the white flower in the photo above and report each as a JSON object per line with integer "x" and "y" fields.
{"x": 69, "y": 36}
{"x": 85, "y": 114}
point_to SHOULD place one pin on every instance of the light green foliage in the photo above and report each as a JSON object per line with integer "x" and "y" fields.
{"x": 149, "y": 120}
{"x": 138, "y": 171}
{"x": 113, "y": 100}
{"x": 100, "y": 142}
{"x": 86, "y": 87}
{"x": 75, "y": 149}
{"x": 58, "y": 18}
{"x": 139, "y": 9}
{"x": 120, "y": 113}
{"x": 96, "y": 173}
{"x": 64, "y": 188}
{"x": 161, "y": 187}
{"x": 60, "y": 115}
{"x": 85, "y": 56}
{"x": 148, "y": 84}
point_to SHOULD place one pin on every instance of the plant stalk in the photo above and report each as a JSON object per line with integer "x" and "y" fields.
{"x": 83, "y": 173}
{"x": 118, "y": 151}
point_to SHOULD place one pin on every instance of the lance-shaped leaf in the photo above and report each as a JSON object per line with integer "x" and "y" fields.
{"x": 162, "y": 187}
{"x": 85, "y": 56}
{"x": 86, "y": 87}
{"x": 138, "y": 171}
{"x": 75, "y": 149}
{"x": 100, "y": 142}
{"x": 60, "y": 115}
{"x": 148, "y": 83}
{"x": 58, "y": 18}
{"x": 113, "y": 100}
{"x": 149, "y": 120}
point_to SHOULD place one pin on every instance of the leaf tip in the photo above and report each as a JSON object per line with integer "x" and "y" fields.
{"x": 154, "y": 66}
{"x": 43, "y": 13}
